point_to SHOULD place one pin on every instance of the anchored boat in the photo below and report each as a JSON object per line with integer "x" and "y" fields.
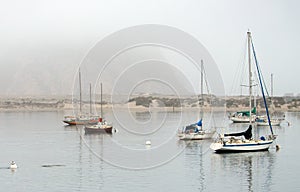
{"x": 243, "y": 141}
{"x": 102, "y": 126}
{"x": 195, "y": 131}
{"x": 81, "y": 119}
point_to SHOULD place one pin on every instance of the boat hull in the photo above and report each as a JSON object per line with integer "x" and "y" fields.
{"x": 195, "y": 136}
{"x": 89, "y": 130}
{"x": 74, "y": 122}
{"x": 251, "y": 146}
{"x": 241, "y": 119}
{"x": 267, "y": 124}
{"x": 264, "y": 122}
{"x": 80, "y": 122}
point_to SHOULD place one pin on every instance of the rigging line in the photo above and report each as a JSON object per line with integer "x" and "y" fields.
{"x": 205, "y": 79}
{"x": 244, "y": 69}
{"x": 263, "y": 79}
{"x": 210, "y": 95}
{"x": 235, "y": 87}
{"x": 264, "y": 82}
{"x": 262, "y": 88}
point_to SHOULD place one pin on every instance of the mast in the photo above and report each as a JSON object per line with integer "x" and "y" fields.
{"x": 250, "y": 75}
{"x": 202, "y": 99}
{"x": 90, "y": 98}
{"x": 271, "y": 85}
{"x": 80, "y": 93}
{"x": 101, "y": 101}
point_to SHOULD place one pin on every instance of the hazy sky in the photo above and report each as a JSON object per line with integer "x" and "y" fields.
{"x": 43, "y": 42}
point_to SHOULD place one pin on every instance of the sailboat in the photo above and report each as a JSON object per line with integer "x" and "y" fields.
{"x": 102, "y": 126}
{"x": 246, "y": 116}
{"x": 243, "y": 141}
{"x": 195, "y": 131}
{"x": 263, "y": 119}
{"x": 243, "y": 116}
{"x": 81, "y": 119}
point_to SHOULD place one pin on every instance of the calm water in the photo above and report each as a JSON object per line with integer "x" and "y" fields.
{"x": 122, "y": 162}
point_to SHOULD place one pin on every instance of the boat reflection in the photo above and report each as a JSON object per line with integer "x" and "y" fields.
{"x": 196, "y": 154}
{"x": 248, "y": 168}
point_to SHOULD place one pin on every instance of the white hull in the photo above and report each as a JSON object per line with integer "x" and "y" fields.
{"x": 273, "y": 123}
{"x": 242, "y": 119}
{"x": 196, "y": 136}
{"x": 245, "y": 146}
{"x": 264, "y": 122}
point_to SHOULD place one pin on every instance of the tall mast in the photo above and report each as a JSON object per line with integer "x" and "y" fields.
{"x": 202, "y": 99}
{"x": 250, "y": 75}
{"x": 90, "y": 99}
{"x": 101, "y": 101}
{"x": 201, "y": 92}
{"x": 80, "y": 93}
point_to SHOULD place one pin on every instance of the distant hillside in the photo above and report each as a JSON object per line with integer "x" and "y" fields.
{"x": 232, "y": 103}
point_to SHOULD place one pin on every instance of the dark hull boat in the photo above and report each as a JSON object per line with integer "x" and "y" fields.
{"x": 101, "y": 127}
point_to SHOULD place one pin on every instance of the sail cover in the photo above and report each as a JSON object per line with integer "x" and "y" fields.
{"x": 247, "y": 134}
{"x": 247, "y": 113}
{"x": 199, "y": 123}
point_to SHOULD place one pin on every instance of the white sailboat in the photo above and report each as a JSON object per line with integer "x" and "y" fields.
{"x": 243, "y": 116}
{"x": 246, "y": 116}
{"x": 243, "y": 141}
{"x": 195, "y": 131}
{"x": 263, "y": 119}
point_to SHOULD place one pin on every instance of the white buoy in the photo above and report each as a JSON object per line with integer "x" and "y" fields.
{"x": 13, "y": 165}
{"x": 148, "y": 142}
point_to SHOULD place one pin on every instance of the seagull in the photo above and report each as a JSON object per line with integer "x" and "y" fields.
{"x": 13, "y": 165}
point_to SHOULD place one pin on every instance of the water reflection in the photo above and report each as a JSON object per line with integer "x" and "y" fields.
{"x": 195, "y": 155}
{"x": 142, "y": 117}
{"x": 253, "y": 170}
{"x": 90, "y": 151}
